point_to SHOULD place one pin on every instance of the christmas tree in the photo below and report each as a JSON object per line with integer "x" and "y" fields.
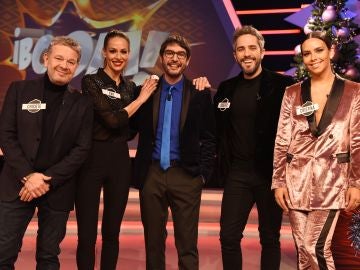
{"x": 333, "y": 17}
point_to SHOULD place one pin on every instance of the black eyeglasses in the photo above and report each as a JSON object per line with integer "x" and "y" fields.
{"x": 170, "y": 54}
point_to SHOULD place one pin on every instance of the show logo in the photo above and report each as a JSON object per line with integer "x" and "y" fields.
{"x": 30, "y": 44}
{"x": 27, "y": 27}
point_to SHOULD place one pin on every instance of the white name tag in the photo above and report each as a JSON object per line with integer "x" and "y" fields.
{"x": 223, "y": 105}
{"x": 308, "y": 108}
{"x": 111, "y": 94}
{"x": 34, "y": 106}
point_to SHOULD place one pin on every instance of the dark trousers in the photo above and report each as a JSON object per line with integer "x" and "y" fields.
{"x": 181, "y": 192}
{"x": 14, "y": 219}
{"x": 107, "y": 168}
{"x": 241, "y": 191}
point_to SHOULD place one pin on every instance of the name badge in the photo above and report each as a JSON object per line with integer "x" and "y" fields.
{"x": 224, "y": 104}
{"x": 307, "y": 109}
{"x": 33, "y": 106}
{"x": 110, "y": 93}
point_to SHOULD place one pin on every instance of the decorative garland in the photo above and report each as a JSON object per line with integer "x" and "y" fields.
{"x": 354, "y": 231}
{"x": 333, "y": 17}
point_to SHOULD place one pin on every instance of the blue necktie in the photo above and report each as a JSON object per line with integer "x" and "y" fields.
{"x": 165, "y": 139}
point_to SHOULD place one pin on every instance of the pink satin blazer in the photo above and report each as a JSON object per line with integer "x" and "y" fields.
{"x": 317, "y": 163}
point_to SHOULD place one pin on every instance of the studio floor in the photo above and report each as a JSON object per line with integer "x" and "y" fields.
{"x": 132, "y": 251}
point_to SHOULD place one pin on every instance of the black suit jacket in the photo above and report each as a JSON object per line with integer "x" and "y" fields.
{"x": 20, "y": 135}
{"x": 197, "y": 132}
{"x": 272, "y": 87}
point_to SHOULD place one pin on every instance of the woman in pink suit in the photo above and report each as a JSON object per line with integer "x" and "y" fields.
{"x": 317, "y": 153}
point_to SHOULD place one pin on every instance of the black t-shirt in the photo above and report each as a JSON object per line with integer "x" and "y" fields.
{"x": 242, "y": 123}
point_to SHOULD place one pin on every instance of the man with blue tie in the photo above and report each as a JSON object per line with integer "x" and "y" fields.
{"x": 175, "y": 157}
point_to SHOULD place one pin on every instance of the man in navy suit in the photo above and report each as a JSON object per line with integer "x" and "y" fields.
{"x": 45, "y": 134}
{"x": 174, "y": 177}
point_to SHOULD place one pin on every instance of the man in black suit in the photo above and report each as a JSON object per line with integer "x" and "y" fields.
{"x": 247, "y": 109}
{"x": 45, "y": 134}
{"x": 173, "y": 175}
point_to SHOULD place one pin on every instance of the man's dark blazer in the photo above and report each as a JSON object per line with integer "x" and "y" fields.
{"x": 20, "y": 135}
{"x": 272, "y": 87}
{"x": 197, "y": 132}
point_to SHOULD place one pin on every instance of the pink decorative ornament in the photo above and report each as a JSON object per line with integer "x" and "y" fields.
{"x": 307, "y": 30}
{"x": 329, "y": 14}
{"x": 343, "y": 32}
{"x": 297, "y": 49}
{"x": 351, "y": 72}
